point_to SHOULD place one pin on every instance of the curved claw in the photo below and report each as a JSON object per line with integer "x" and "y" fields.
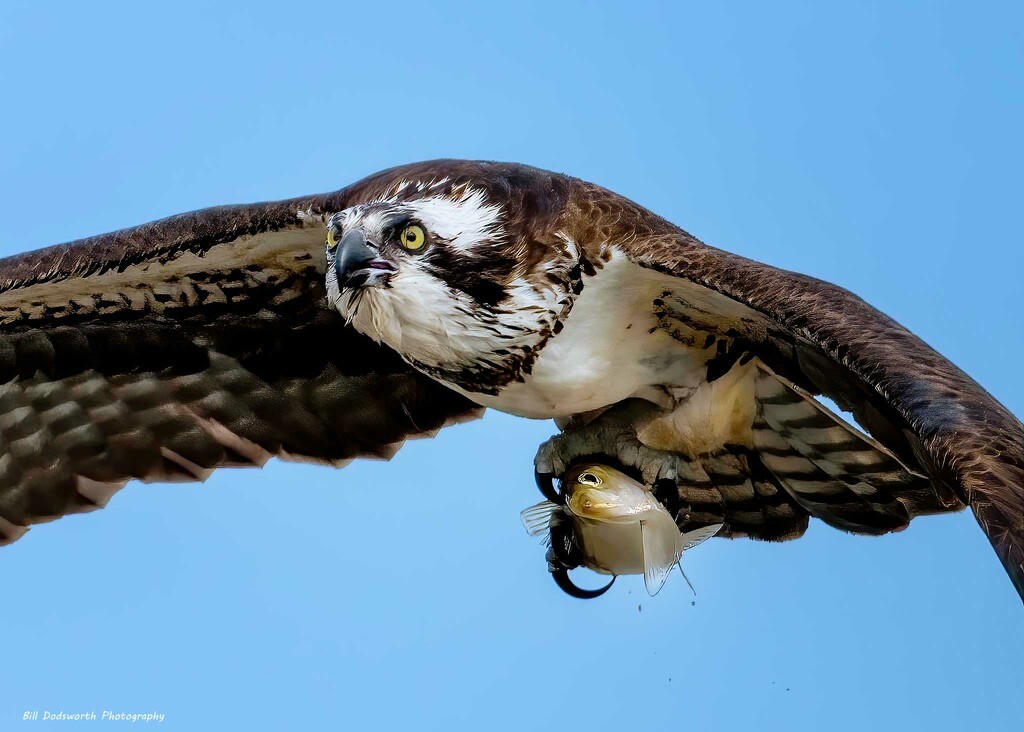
{"x": 566, "y": 585}
{"x": 546, "y": 484}
{"x": 667, "y": 493}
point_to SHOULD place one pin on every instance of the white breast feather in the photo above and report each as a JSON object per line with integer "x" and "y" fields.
{"x": 605, "y": 352}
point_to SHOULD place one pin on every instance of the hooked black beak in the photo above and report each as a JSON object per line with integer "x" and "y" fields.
{"x": 566, "y": 585}
{"x": 357, "y": 264}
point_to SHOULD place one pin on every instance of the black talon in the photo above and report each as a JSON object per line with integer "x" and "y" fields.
{"x": 566, "y": 585}
{"x": 667, "y": 492}
{"x": 546, "y": 483}
{"x": 564, "y": 551}
{"x": 726, "y": 356}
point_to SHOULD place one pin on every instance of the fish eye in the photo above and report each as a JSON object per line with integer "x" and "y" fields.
{"x": 588, "y": 479}
{"x": 412, "y": 238}
{"x": 333, "y": 236}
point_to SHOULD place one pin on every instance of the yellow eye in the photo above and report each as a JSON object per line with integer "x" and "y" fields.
{"x": 333, "y": 236}
{"x": 412, "y": 238}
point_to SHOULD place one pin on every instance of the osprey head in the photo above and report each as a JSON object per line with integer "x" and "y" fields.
{"x": 442, "y": 271}
{"x": 456, "y": 236}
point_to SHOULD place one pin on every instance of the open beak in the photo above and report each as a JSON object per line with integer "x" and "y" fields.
{"x": 357, "y": 264}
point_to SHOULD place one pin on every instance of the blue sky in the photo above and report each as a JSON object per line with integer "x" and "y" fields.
{"x": 874, "y": 144}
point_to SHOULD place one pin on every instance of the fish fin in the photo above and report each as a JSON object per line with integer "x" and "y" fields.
{"x": 660, "y": 555}
{"x": 537, "y": 518}
{"x": 691, "y": 539}
{"x": 689, "y": 584}
{"x": 698, "y": 536}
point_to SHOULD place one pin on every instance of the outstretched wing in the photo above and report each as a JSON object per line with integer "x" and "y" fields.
{"x": 199, "y": 341}
{"x": 926, "y": 412}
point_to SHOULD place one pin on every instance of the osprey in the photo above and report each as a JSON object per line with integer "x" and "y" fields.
{"x": 230, "y": 335}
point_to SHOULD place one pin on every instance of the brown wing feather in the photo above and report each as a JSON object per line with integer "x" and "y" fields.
{"x": 165, "y": 351}
{"x": 924, "y": 409}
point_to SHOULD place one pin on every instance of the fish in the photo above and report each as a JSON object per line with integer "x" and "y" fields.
{"x": 610, "y": 523}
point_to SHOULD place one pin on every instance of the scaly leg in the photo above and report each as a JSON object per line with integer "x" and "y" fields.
{"x": 612, "y": 435}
